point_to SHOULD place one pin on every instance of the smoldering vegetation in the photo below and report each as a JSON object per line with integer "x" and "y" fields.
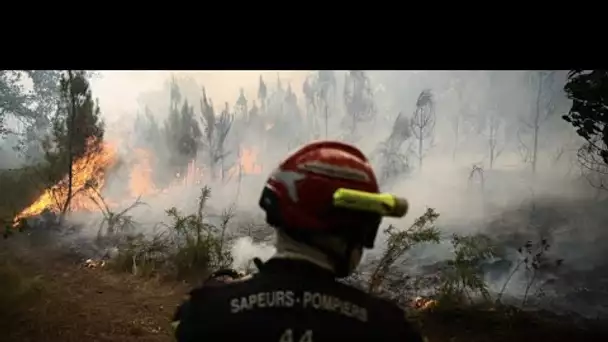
{"x": 517, "y": 218}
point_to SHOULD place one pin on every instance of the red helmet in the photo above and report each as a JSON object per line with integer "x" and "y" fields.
{"x": 298, "y": 195}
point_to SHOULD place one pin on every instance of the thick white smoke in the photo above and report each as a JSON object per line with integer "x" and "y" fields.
{"x": 244, "y": 250}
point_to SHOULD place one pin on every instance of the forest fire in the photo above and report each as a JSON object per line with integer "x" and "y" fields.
{"x": 140, "y": 179}
{"x": 248, "y": 161}
{"x": 193, "y": 174}
{"x": 89, "y": 171}
{"x": 89, "y": 179}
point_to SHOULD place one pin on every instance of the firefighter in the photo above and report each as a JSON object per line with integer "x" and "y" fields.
{"x": 325, "y": 205}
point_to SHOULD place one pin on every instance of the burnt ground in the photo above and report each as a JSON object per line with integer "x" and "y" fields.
{"x": 62, "y": 301}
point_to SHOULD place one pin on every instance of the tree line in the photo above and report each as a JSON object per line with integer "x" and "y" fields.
{"x": 58, "y": 120}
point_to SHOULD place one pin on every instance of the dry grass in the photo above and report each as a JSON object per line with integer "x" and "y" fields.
{"x": 78, "y": 304}
{"x": 473, "y": 324}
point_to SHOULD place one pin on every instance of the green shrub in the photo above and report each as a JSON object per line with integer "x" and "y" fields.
{"x": 190, "y": 248}
{"x": 199, "y": 244}
{"x": 463, "y": 276}
{"x": 399, "y": 242}
{"x": 143, "y": 256}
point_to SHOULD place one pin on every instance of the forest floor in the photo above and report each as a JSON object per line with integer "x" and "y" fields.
{"x": 45, "y": 296}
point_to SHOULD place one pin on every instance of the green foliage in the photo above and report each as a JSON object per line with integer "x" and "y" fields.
{"x": 78, "y": 121}
{"x": 181, "y": 130}
{"x": 143, "y": 256}
{"x": 463, "y": 275}
{"x": 13, "y": 98}
{"x": 400, "y": 241}
{"x": 589, "y": 116}
{"x": 77, "y": 131}
{"x": 46, "y": 90}
{"x": 588, "y": 91}
{"x": 190, "y": 249}
{"x": 200, "y": 245}
{"x": 30, "y": 107}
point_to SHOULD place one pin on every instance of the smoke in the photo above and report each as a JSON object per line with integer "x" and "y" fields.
{"x": 244, "y": 250}
{"x": 506, "y": 200}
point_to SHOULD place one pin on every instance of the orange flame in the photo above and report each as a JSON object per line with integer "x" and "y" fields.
{"x": 140, "y": 180}
{"x": 248, "y": 161}
{"x": 88, "y": 171}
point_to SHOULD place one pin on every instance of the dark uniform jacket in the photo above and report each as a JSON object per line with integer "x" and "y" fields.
{"x": 287, "y": 301}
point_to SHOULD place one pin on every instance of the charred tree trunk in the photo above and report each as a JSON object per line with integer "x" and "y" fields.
{"x": 71, "y": 121}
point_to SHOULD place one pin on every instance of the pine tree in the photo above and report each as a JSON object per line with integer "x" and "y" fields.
{"x": 262, "y": 94}
{"x": 77, "y": 128}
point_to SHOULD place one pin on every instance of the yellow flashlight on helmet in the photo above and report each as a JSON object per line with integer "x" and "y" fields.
{"x": 384, "y": 204}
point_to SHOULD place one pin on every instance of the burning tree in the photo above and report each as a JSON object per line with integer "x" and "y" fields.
{"x": 589, "y": 115}
{"x": 75, "y": 152}
{"x": 358, "y": 100}
{"x": 77, "y": 131}
{"x": 423, "y": 123}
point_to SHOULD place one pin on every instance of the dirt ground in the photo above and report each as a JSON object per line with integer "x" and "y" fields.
{"x": 80, "y": 304}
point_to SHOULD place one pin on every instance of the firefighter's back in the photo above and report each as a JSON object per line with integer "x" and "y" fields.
{"x": 290, "y": 301}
